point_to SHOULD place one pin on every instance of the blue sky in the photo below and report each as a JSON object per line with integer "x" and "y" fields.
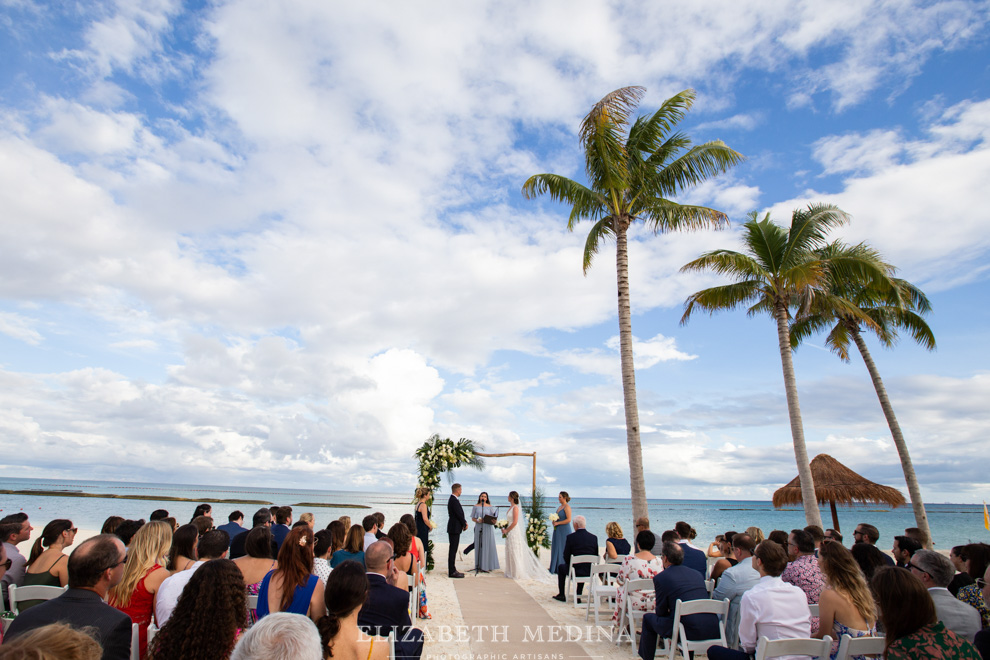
{"x": 245, "y": 243}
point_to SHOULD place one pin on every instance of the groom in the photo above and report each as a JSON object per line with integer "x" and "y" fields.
{"x": 456, "y": 523}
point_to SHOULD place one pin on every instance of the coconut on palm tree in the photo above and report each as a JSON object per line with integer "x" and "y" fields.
{"x": 778, "y": 270}
{"x": 889, "y": 310}
{"x": 633, "y": 170}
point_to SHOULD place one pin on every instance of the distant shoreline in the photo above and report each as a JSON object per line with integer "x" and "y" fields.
{"x": 167, "y": 498}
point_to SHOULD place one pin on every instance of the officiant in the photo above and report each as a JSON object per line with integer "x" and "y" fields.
{"x": 484, "y": 516}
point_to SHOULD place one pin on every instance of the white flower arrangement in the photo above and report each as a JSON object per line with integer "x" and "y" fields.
{"x": 554, "y": 517}
{"x": 501, "y": 524}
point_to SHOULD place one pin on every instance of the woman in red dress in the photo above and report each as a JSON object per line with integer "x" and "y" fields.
{"x": 144, "y": 572}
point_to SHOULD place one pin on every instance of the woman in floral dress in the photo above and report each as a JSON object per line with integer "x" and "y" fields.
{"x": 642, "y": 565}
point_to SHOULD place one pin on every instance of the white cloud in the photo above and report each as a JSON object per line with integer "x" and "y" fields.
{"x": 646, "y": 354}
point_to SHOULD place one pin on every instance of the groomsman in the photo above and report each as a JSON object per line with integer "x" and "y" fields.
{"x": 456, "y": 523}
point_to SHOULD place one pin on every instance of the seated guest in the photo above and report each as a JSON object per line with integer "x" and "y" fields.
{"x": 918, "y": 535}
{"x": 904, "y": 547}
{"x": 321, "y": 554}
{"x": 233, "y": 526}
{"x": 56, "y": 641}
{"x": 846, "y": 606}
{"x": 735, "y": 582}
{"x": 338, "y": 533}
{"x": 127, "y": 529}
{"x": 172, "y": 522}
{"x": 14, "y": 529}
{"x": 867, "y": 533}
{"x": 804, "y": 571}
{"x": 182, "y": 553}
{"x": 869, "y": 558}
{"x": 675, "y": 582}
{"x": 756, "y": 534}
{"x": 983, "y": 637}
{"x": 977, "y": 562}
{"x": 380, "y": 519}
{"x": 833, "y": 535}
{"x": 643, "y": 565}
{"x": 203, "y": 524}
{"x": 370, "y": 525}
{"x": 401, "y": 540}
{"x": 387, "y": 607}
{"x": 134, "y": 595}
{"x": 210, "y": 612}
{"x": 257, "y": 563}
{"x": 110, "y": 525}
{"x": 578, "y": 542}
{"x": 280, "y": 636}
{"x": 346, "y": 593}
{"x": 935, "y": 572}
{"x": 958, "y": 558}
{"x": 262, "y": 518}
{"x": 353, "y": 549}
{"x": 715, "y": 547}
{"x": 725, "y": 554}
{"x": 48, "y": 567}
{"x": 641, "y": 524}
{"x": 96, "y": 565}
{"x": 817, "y": 536}
{"x": 772, "y": 608}
{"x": 693, "y": 557}
{"x": 910, "y": 621}
{"x": 158, "y": 514}
{"x": 213, "y": 545}
{"x": 202, "y": 510}
{"x": 283, "y": 521}
{"x": 616, "y": 547}
{"x": 308, "y": 518}
{"x": 291, "y": 586}
{"x": 778, "y": 536}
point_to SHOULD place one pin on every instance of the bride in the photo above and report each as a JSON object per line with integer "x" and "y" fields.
{"x": 520, "y": 562}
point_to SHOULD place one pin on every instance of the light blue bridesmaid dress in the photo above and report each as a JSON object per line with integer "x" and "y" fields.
{"x": 557, "y": 542}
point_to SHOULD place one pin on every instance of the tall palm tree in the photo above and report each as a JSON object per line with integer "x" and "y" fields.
{"x": 888, "y": 310}
{"x": 779, "y": 269}
{"x": 633, "y": 170}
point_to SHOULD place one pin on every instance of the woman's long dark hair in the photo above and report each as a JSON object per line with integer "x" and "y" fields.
{"x": 355, "y": 539}
{"x": 49, "y": 535}
{"x": 347, "y": 589}
{"x": 295, "y": 563}
{"x": 258, "y": 543}
{"x": 183, "y": 543}
{"x": 110, "y": 524}
{"x": 904, "y": 603}
{"x": 204, "y": 623}
{"x": 337, "y": 529}
{"x": 488, "y": 500}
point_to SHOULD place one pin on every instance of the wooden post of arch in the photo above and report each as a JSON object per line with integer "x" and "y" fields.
{"x": 514, "y": 454}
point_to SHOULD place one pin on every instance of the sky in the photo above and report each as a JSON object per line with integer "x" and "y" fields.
{"x": 282, "y": 244}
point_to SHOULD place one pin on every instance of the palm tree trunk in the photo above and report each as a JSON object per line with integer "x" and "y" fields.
{"x": 914, "y": 490}
{"x": 637, "y": 484}
{"x": 812, "y": 514}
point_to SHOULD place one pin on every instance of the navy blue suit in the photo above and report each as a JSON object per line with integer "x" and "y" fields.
{"x": 695, "y": 559}
{"x": 387, "y": 610}
{"x": 455, "y": 525}
{"x": 81, "y": 608}
{"x": 579, "y": 542}
{"x": 279, "y": 532}
{"x": 676, "y": 582}
{"x": 232, "y": 529}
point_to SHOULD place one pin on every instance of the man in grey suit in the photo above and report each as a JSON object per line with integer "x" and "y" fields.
{"x": 95, "y": 566}
{"x": 734, "y": 582}
{"x": 936, "y": 571}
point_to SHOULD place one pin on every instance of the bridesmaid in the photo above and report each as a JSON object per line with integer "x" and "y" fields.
{"x": 561, "y": 528}
{"x": 485, "y": 550}
{"x": 423, "y": 523}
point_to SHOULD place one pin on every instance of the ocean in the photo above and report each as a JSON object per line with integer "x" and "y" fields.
{"x": 951, "y": 524}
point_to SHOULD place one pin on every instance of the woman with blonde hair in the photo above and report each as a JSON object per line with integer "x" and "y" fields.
{"x": 292, "y": 587}
{"x": 756, "y": 534}
{"x": 616, "y": 547}
{"x": 45, "y": 566}
{"x": 846, "y": 606}
{"x": 308, "y": 518}
{"x": 56, "y": 641}
{"x": 144, "y": 572}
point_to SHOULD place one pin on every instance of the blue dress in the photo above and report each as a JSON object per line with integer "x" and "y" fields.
{"x": 485, "y": 550}
{"x": 343, "y": 555}
{"x": 300, "y": 599}
{"x": 621, "y": 546}
{"x": 557, "y": 542}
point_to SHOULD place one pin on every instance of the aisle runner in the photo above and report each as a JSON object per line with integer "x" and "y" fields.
{"x": 503, "y": 622}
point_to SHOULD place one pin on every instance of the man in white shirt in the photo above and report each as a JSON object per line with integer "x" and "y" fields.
{"x": 736, "y": 581}
{"x": 936, "y": 572}
{"x": 212, "y": 545}
{"x": 370, "y": 524}
{"x": 773, "y": 608}
{"x": 14, "y": 529}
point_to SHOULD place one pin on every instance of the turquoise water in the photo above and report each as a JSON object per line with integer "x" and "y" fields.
{"x": 952, "y": 524}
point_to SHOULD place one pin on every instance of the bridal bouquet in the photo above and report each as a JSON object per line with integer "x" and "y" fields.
{"x": 554, "y": 517}
{"x": 501, "y": 524}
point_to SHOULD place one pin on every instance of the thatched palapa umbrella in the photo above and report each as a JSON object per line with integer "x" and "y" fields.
{"x": 834, "y": 482}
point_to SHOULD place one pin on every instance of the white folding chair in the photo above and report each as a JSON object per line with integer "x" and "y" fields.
{"x": 152, "y": 631}
{"x": 31, "y": 592}
{"x": 710, "y": 564}
{"x": 679, "y": 639}
{"x": 574, "y": 580}
{"x": 813, "y": 608}
{"x": 632, "y": 617}
{"x": 413, "y": 595}
{"x": 850, "y": 647}
{"x": 816, "y": 648}
{"x": 391, "y": 644}
{"x": 252, "y": 602}
{"x": 602, "y": 586}
{"x": 710, "y": 587}
{"x": 135, "y": 642}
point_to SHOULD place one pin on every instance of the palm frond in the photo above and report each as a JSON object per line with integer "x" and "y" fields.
{"x": 649, "y": 132}
{"x": 601, "y": 231}
{"x": 721, "y": 298}
{"x": 838, "y": 340}
{"x": 766, "y": 240}
{"x": 809, "y": 226}
{"x": 728, "y": 262}
{"x": 662, "y": 215}
{"x": 603, "y": 134}
{"x": 700, "y": 163}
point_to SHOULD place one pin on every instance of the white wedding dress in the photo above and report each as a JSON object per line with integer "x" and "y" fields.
{"x": 520, "y": 562}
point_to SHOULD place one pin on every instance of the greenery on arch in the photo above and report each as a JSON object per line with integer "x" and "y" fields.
{"x": 439, "y": 455}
